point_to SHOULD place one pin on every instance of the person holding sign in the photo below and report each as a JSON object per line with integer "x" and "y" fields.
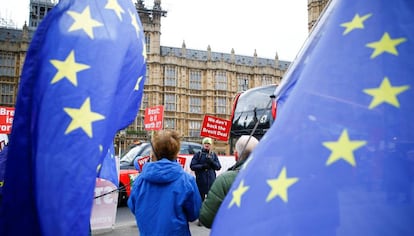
{"x": 204, "y": 164}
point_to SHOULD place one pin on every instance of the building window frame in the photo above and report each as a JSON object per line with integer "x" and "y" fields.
{"x": 170, "y": 76}
{"x": 148, "y": 43}
{"x": 242, "y": 83}
{"x": 194, "y": 128}
{"x": 7, "y": 93}
{"x": 195, "y": 79}
{"x": 7, "y": 64}
{"x": 170, "y": 103}
{"x": 221, "y": 105}
{"x": 169, "y": 123}
{"x": 194, "y": 105}
{"x": 220, "y": 80}
{"x": 267, "y": 80}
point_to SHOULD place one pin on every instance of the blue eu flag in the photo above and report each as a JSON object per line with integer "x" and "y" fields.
{"x": 108, "y": 169}
{"x": 339, "y": 159}
{"x": 82, "y": 81}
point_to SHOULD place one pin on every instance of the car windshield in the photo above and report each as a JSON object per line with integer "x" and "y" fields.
{"x": 131, "y": 154}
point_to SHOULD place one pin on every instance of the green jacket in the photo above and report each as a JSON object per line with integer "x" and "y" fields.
{"x": 216, "y": 195}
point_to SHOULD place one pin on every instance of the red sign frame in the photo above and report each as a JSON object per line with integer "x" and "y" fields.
{"x": 6, "y": 119}
{"x": 154, "y": 117}
{"x": 215, "y": 127}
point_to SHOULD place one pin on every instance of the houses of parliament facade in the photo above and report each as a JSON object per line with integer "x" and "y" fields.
{"x": 189, "y": 83}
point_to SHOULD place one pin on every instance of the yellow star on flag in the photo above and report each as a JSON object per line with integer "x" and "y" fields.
{"x": 114, "y": 5}
{"x": 137, "y": 84}
{"x": 279, "y": 186}
{"x": 238, "y": 193}
{"x": 385, "y": 44}
{"x": 385, "y": 93}
{"x": 343, "y": 149}
{"x": 134, "y": 23}
{"x": 356, "y": 23}
{"x": 83, "y": 21}
{"x": 68, "y": 69}
{"x": 82, "y": 118}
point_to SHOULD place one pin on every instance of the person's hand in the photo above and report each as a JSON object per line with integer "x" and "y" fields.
{"x": 209, "y": 160}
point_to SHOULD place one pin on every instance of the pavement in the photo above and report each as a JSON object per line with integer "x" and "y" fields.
{"x": 132, "y": 230}
{"x": 125, "y": 225}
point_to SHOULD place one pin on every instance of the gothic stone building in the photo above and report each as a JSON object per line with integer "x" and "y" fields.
{"x": 188, "y": 83}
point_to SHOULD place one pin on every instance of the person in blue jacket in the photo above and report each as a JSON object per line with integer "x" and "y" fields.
{"x": 164, "y": 198}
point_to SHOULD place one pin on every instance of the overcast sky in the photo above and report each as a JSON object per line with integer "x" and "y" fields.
{"x": 269, "y": 26}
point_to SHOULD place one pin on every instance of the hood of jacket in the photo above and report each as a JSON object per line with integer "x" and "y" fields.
{"x": 162, "y": 171}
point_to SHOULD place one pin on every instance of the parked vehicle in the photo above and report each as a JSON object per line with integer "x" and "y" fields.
{"x": 141, "y": 152}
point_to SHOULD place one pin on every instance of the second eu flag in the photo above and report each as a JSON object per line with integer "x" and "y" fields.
{"x": 339, "y": 159}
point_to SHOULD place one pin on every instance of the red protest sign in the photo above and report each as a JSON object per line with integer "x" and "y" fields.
{"x": 6, "y": 119}
{"x": 181, "y": 161}
{"x": 141, "y": 161}
{"x": 153, "y": 118}
{"x": 216, "y": 128}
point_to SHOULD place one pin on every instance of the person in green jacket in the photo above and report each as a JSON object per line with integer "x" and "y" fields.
{"x": 218, "y": 191}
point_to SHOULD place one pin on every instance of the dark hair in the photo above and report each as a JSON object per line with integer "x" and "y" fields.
{"x": 166, "y": 144}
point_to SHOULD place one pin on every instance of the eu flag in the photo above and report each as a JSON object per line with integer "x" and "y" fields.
{"x": 82, "y": 81}
{"x": 339, "y": 159}
{"x": 108, "y": 169}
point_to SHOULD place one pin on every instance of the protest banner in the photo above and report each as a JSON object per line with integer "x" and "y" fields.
{"x": 216, "y": 128}
{"x": 154, "y": 118}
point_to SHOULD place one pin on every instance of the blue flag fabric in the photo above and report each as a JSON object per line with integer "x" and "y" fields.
{"x": 82, "y": 81}
{"x": 3, "y": 159}
{"x": 339, "y": 159}
{"x": 108, "y": 169}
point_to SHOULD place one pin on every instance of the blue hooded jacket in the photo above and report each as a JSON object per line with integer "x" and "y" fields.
{"x": 164, "y": 199}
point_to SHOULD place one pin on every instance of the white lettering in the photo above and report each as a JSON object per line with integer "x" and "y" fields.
{"x": 222, "y": 128}
{"x": 155, "y": 111}
{"x": 210, "y": 119}
{"x": 158, "y": 124}
{"x": 220, "y": 122}
{"x": 149, "y": 126}
{"x": 5, "y": 127}
{"x": 107, "y": 199}
{"x": 221, "y": 134}
{"x": 9, "y": 120}
{"x": 4, "y": 111}
{"x": 213, "y": 132}
{"x": 212, "y": 126}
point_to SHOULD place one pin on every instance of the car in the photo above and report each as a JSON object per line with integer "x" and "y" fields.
{"x": 135, "y": 157}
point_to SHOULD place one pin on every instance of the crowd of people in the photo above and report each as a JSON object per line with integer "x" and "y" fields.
{"x": 163, "y": 186}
